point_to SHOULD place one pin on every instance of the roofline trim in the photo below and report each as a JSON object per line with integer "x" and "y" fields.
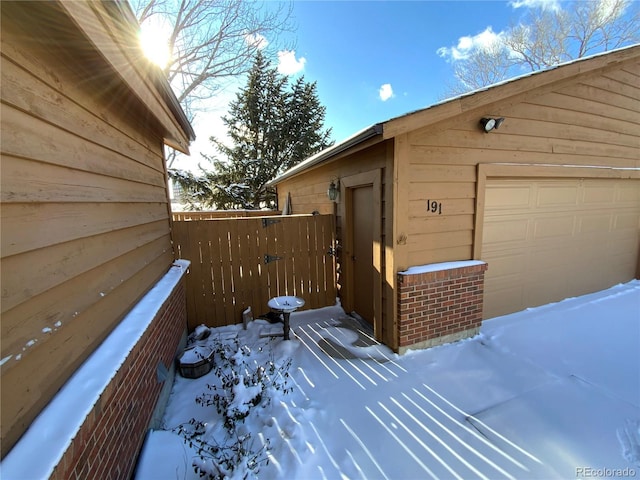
{"x": 458, "y": 104}
{"x": 160, "y": 80}
{"x": 357, "y": 138}
{"x": 103, "y": 24}
{"x": 453, "y": 106}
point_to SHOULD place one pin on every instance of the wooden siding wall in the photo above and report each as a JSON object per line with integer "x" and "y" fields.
{"x": 594, "y": 123}
{"x": 85, "y": 218}
{"x": 309, "y": 193}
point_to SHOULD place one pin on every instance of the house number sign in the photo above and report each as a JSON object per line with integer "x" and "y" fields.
{"x": 433, "y": 206}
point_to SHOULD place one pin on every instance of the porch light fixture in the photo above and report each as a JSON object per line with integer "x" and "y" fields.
{"x": 333, "y": 190}
{"x": 489, "y": 124}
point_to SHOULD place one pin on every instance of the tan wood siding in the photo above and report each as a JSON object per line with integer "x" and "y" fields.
{"x": 592, "y": 122}
{"x": 585, "y": 115}
{"x": 514, "y": 92}
{"x": 31, "y": 87}
{"x": 85, "y": 217}
{"x": 40, "y": 374}
{"x": 52, "y": 265}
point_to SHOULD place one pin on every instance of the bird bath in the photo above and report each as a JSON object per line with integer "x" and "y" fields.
{"x": 285, "y": 305}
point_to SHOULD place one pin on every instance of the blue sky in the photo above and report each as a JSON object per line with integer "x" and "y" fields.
{"x": 375, "y": 60}
{"x": 353, "y": 48}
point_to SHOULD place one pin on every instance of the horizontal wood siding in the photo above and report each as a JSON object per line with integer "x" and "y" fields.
{"x": 85, "y": 218}
{"x": 230, "y": 270}
{"x": 592, "y": 122}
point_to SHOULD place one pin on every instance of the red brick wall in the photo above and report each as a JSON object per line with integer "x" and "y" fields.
{"x": 108, "y": 443}
{"x": 440, "y": 306}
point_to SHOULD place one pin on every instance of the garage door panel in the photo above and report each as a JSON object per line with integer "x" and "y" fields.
{"x": 595, "y": 194}
{"x": 622, "y": 246}
{"x": 628, "y": 194}
{"x": 557, "y": 226}
{"x": 574, "y": 236}
{"x": 595, "y": 223}
{"x": 511, "y": 197}
{"x": 623, "y": 263}
{"x": 541, "y": 259}
{"x": 626, "y": 221}
{"x": 509, "y": 263}
{"x": 554, "y": 283}
{"x": 557, "y": 196}
{"x": 512, "y": 294}
{"x": 502, "y": 231}
{"x": 590, "y": 281}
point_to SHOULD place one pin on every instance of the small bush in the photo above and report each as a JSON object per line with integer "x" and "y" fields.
{"x": 243, "y": 386}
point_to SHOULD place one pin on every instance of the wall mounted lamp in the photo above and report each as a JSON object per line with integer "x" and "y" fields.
{"x": 334, "y": 190}
{"x": 489, "y": 124}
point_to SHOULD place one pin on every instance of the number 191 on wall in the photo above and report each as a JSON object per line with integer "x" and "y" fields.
{"x": 433, "y": 206}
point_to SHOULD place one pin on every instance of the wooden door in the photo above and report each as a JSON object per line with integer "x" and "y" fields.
{"x": 362, "y": 257}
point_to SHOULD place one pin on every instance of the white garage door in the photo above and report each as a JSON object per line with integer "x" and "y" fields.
{"x": 546, "y": 240}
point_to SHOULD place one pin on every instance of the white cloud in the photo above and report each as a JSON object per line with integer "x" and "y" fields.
{"x": 542, "y": 4}
{"x": 484, "y": 40}
{"x": 288, "y": 64}
{"x": 256, "y": 39}
{"x": 385, "y": 92}
{"x": 609, "y": 9}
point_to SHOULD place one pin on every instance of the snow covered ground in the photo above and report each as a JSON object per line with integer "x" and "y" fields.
{"x": 550, "y": 392}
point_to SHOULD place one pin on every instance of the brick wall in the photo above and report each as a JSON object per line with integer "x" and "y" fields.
{"x": 441, "y": 305}
{"x": 108, "y": 443}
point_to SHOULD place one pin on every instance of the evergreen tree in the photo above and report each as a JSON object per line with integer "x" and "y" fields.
{"x": 272, "y": 126}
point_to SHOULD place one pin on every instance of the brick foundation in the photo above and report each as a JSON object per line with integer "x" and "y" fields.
{"x": 109, "y": 440}
{"x": 439, "y": 304}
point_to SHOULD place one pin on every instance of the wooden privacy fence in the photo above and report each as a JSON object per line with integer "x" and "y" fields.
{"x": 242, "y": 262}
{"x": 200, "y": 215}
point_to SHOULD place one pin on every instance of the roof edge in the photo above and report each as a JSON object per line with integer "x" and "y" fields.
{"x": 352, "y": 141}
{"x": 110, "y": 28}
{"x": 159, "y": 79}
{"x": 508, "y": 87}
{"x": 470, "y": 100}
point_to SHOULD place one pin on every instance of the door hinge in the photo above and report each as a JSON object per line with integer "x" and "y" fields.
{"x": 269, "y": 221}
{"x": 271, "y": 258}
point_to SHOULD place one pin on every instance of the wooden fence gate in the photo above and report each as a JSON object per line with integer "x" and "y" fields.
{"x": 242, "y": 262}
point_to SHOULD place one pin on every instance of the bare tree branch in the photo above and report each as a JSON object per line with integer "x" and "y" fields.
{"x": 547, "y": 37}
{"x": 212, "y": 40}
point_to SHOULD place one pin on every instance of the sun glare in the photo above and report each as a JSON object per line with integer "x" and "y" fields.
{"x": 154, "y": 40}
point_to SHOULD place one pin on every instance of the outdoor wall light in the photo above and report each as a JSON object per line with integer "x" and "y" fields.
{"x": 489, "y": 124}
{"x": 334, "y": 190}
